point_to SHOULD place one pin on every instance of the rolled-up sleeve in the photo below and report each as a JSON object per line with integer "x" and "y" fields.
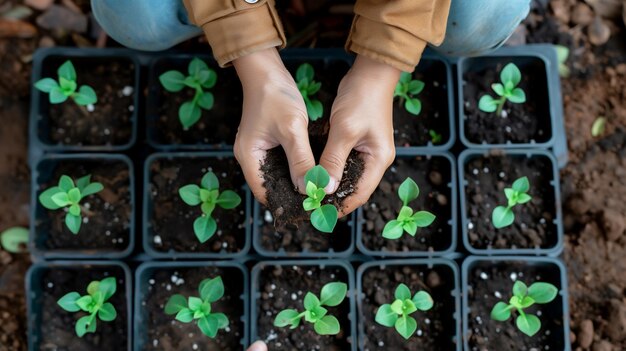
{"x": 396, "y": 32}
{"x": 235, "y": 28}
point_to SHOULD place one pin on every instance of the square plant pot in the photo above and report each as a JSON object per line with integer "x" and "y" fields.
{"x": 529, "y": 124}
{"x": 156, "y": 282}
{"x": 168, "y": 230}
{"x": 216, "y": 128}
{"x": 538, "y": 226}
{"x": 107, "y": 230}
{"x": 437, "y": 328}
{"x": 279, "y": 285}
{"x": 108, "y": 125}
{"x": 433, "y": 128}
{"x": 488, "y": 280}
{"x": 51, "y": 327}
{"x": 435, "y": 175}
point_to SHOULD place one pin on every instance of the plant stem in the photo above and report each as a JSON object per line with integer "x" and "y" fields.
{"x": 501, "y": 102}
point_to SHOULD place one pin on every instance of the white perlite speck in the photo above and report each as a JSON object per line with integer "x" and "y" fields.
{"x": 484, "y": 276}
{"x": 513, "y": 276}
{"x": 127, "y": 90}
{"x": 157, "y": 240}
{"x": 268, "y": 217}
{"x": 91, "y": 108}
{"x": 294, "y": 296}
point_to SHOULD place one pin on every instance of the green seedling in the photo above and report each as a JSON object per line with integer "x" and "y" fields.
{"x": 309, "y": 87}
{"x": 323, "y": 217}
{"x": 598, "y": 127}
{"x": 397, "y": 314}
{"x": 199, "y": 308}
{"x": 200, "y": 77}
{"x": 14, "y": 240}
{"x": 435, "y": 137}
{"x": 407, "y": 90}
{"x": 510, "y": 76}
{"x": 407, "y": 221}
{"x": 65, "y": 88}
{"x": 562, "y": 53}
{"x": 503, "y": 216}
{"x": 208, "y": 196}
{"x": 94, "y": 303}
{"x": 67, "y": 194}
{"x": 324, "y": 324}
{"x": 524, "y": 297}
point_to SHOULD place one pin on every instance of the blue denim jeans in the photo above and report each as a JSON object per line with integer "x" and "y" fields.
{"x": 474, "y": 26}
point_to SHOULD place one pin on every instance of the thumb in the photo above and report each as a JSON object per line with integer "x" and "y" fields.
{"x": 299, "y": 154}
{"x": 258, "y": 346}
{"x": 334, "y": 157}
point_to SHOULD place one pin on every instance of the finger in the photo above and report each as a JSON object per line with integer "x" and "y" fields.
{"x": 335, "y": 154}
{"x": 250, "y": 157}
{"x": 258, "y": 346}
{"x": 294, "y": 138}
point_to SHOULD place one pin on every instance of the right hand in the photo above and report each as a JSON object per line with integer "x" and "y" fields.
{"x": 258, "y": 346}
{"x": 274, "y": 114}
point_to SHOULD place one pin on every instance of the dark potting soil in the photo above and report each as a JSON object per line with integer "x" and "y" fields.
{"x": 523, "y": 122}
{"x": 110, "y": 122}
{"x": 171, "y": 219}
{"x": 217, "y": 126}
{"x": 163, "y": 332}
{"x": 106, "y": 215}
{"x": 411, "y": 130}
{"x": 486, "y": 179}
{"x": 491, "y": 282}
{"x": 57, "y": 325}
{"x": 432, "y": 176}
{"x": 436, "y": 328}
{"x": 283, "y": 287}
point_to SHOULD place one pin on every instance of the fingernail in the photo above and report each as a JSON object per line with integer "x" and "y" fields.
{"x": 331, "y": 186}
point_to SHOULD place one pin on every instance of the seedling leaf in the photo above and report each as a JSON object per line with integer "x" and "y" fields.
{"x": 333, "y": 293}
{"x": 324, "y": 218}
{"x": 327, "y": 325}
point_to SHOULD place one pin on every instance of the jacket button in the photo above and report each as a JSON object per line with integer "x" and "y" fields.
{"x": 251, "y": 1}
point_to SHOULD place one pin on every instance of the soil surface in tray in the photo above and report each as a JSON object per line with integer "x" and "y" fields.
{"x": 533, "y": 226}
{"x": 106, "y": 215}
{"x": 490, "y": 283}
{"x": 163, "y": 332}
{"x": 172, "y": 219}
{"x": 432, "y": 177}
{"x": 436, "y": 328}
{"x": 283, "y": 287}
{"x": 57, "y": 325}
{"x": 520, "y": 123}
{"x": 110, "y": 122}
{"x": 216, "y": 126}
{"x": 411, "y": 130}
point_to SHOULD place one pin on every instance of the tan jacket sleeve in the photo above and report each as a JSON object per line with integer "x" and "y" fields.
{"x": 397, "y": 31}
{"x": 235, "y": 28}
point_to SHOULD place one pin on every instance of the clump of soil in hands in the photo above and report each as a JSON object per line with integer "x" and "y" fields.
{"x": 107, "y": 122}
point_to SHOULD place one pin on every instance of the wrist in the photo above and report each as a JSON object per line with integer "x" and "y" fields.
{"x": 258, "y": 65}
{"x": 375, "y": 71}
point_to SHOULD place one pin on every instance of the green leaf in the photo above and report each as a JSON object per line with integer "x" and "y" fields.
{"x": 92, "y": 189}
{"x": 318, "y": 176}
{"x": 523, "y": 302}
{"x": 85, "y": 96}
{"x": 405, "y": 213}
{"x": 521, "y": 185}
{"x": 333, "y": 293}
{"x": 313, "y": 88}
{"x": 211, "y": 290}
{"x": 73, "y": 195}
{"x": 393, "y": 230}
{"x": 210, "y": 182}
{"x": 107, "y": 286}
{"x": 92, "y": 288}
{"x": 327, "y": 325}
{"x": 519, "y": 289}
{"x": 324, "y": 218}
{"x": 416, "y": 87}
{"x": 46, "y": 84}
{"x": 68, "y": 302}
{"x": 66, "y": 183}
{"x": 406, "y": 326}
{"x": 84, "y": 302}
{"x": 84, "y": 325}
{"x": 14, "y": 239}
{"x": 211, "y": 79}
{"x": 82, "y": 183}
{"x": 67, "y": 86}
{"x": 285, "y": 318}
{"x": 542, "y": 292}
{"x": 208, "y": 325}
{"x": 528, "y": 324}
{"x": 196, "y": 66}
{"x": 75, "y": 210}
{"x": 45, "y": 198}
{"x": 509, "y": 193}
{"x": 397, "y": 305}
{"x": 498, "y": 88}
{"x": 57, "y": 96}
{"x": 385, "y": 316}
{"x": 517, "y": 96}
{"x": 195, "y": 303}
{"x": 423, "y": 218}
{"x": 175, "y": 304}
{"x": 314, "y": 314}
{"x": 67, "y": 71}
{"x": 510, "y": 73}
{"x": 523, "y": 198}
{"x": 562, "y": 52}
{"x": 487, "y": 104}
{"x": 310, "y": 204}
{"x": 185, "y": 315}
{"x": 73, "y": 222}
{"x": 501, "y": 312}
{"x": 204, "y": 227}
{"x": 598, "y": 127}
{"x": 206, "y": 100}
{"x": 107, "y": 312}
{"x": 311, "y": 301}
{"x": 405, "y": 77}
{"x": 423, "y": 301}
{"x": 188, "y": 113}
{"x": 402, "y": 292}
{"x": 305, "y": 71}
{"x": 410, "y": 226}
{"x": 408, "y": 191}
{"x": 190, "y": 194}
{"x": 502, "y": 217}
{"x": 61, "y": 199}
{"x": 413, "y": 106}
{"x": 172, "y": 81}
{"x": 314, "y": 109}
{"x": 228, "y": 199}
{"x": 207, "y": 208}
{"x": 222, "y": 320}
{"x": 408, "y": 307}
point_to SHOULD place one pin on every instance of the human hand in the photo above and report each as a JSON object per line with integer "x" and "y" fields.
{"x": 362, "y": 119}
{"x": 258, "y": 346}
{"x": 274, "y": 114}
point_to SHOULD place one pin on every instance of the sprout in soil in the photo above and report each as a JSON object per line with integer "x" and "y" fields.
{"x": 200, "y": 77}
{"x": 510, "y": 76}
{"x": 407, "y": 90}
{"x": 95, "y": 303}
{"x": 324, "y": 324}
{"x": 397, "y": 314}
{"x": 503, "y": 216}
{"x": 598, "y": 127}
{"x": 309, "y": 87}
{"x": 208, "y": 196}
{"x": 323, "y": 217}
{"x": 199, "y": 308}
{"x": 66, "y": 87}
{"x": 67, "y": 194}
{"x": 435, "y": 137}
{"x": 407, "y": 220}
{"x": 522, "y": 298}
{"x": 14, "y": 240}
{"x": 562, "y": 52}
